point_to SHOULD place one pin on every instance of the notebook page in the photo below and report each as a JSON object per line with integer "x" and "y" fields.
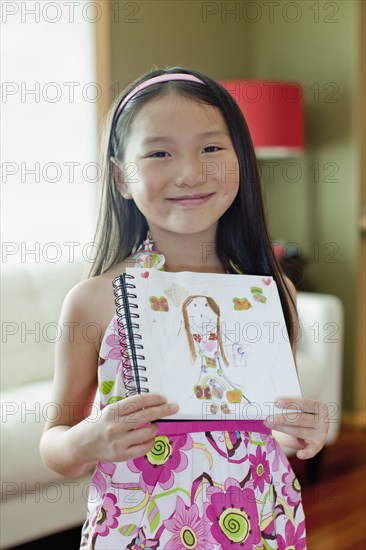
{"x": 216, "y": 344}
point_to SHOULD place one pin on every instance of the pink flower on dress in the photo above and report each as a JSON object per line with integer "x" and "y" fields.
{"x": 117, "y": 352}
{"x": 234, "y": 515}
{"x": 98, "y": 483}
{"x": 107, "y": 516}
{"x": 141, "y": 542}
{"x": 272, "y": 446}
{"x": 190, "y": 531}
{"x": 234, "y": 439}
{"x": 294, "y": 539}
{"x": 260, "y": 469}
{"x": 158, "y": 465}
{"x": 114, "y": 343}
{"x": 270, "y": 530}
{"x": 291, "y": 488}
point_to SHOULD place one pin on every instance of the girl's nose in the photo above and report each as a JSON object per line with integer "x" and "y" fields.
{"x": 190, "y": 172}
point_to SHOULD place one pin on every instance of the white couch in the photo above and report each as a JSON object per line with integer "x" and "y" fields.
{"x": 320, "y": 353}
{"x": 36, "y": 502}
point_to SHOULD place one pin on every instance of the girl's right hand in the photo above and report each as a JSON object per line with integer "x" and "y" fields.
{"x": 126, "y": 429}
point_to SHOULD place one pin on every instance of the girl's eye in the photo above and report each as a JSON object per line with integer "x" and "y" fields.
{"x": 213, "y": 147}
{"x": 158, "y": 154}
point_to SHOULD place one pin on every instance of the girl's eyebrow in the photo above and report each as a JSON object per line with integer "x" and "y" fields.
{"x": 154, "y": 139}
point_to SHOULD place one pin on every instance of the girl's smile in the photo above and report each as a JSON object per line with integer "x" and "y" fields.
{"x": 191, "y": 201}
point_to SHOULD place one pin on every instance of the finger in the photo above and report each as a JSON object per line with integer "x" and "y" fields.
{"x": 300, "y": 432}
{"x": 136, "y": 403}
{"x": 310, "y": 406}
{"x": 140, "y": 449}
{"x": 140, "y": 435}
{"x": 310, "y": 450}
{"x": 292, "y": 419}
{"x": 151, "y": 414}
{"x": 292, "y": 443}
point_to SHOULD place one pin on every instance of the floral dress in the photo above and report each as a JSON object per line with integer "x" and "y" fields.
{"x": 205, "y": 485}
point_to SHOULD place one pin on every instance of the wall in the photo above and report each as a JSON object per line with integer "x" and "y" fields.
{"x": 313, "y": 201}
{"x": 320, "y": 195}
{"x": 161, "y": 33}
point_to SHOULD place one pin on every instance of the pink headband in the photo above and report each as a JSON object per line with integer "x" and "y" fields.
{"x": 155, "y": 80}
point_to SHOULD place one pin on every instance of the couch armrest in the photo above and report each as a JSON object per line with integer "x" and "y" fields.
{"x": 320, "y": 352}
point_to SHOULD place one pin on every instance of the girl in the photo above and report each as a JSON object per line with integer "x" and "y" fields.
{"x": 182, "y": 192}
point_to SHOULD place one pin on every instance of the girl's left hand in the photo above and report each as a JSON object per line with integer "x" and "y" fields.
{"x": 308, "y": 428}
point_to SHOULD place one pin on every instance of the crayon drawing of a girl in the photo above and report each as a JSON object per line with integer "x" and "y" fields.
{"x": 201, "y": 316}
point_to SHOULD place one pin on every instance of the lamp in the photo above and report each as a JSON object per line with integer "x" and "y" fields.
{"x": 274, "y": 112}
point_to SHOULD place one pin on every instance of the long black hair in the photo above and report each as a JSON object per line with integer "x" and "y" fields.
{"x": 242, "y": 235}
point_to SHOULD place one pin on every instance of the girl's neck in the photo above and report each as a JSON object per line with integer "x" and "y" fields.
{"x": 188, "y": 252}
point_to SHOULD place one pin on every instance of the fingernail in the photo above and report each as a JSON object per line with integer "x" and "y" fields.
{"x": 174, "y": 407}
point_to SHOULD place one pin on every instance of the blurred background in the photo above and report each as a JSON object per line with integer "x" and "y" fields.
{"x": 62, "y": 65}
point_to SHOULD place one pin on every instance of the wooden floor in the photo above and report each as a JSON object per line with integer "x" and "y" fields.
{"x": 335, "y": 506}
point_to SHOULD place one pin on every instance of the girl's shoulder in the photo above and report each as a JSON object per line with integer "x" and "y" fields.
{"x": 97, "y": 284}
{"x": 92, "y": 300}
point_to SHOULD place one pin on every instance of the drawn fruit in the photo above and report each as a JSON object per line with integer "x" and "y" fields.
{"x": 198, "y": 391}
{"x": 207, "y": 392}
{"x": 217, "y": 392}
{"x": 234, "y": 396}
{"x": 258, "y": 294}
{"x": 224, "y": 408}
{"x": 241, "y": 303}
{"x": 145, "y": 274}
{"x": 159, "y": 303}
{"x": 214, "y": 408}
{"x": 266, "y": 281}
{"x": 256, "y": 290}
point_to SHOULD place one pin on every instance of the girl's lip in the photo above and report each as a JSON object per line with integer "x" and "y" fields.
{"x": 192, "y": 201}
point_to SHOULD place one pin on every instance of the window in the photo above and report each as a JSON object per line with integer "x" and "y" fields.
{"x": 48, "y": 132}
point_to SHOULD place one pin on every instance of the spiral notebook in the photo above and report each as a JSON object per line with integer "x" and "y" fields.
{"x": 216, "y": 344}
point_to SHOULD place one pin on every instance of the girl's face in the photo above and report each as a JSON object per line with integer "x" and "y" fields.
{"x": 178, "y": 149}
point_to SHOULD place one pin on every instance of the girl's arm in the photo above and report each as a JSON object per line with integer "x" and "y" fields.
{"x": 306, "y": 432}
{"x": 77, "y": 436}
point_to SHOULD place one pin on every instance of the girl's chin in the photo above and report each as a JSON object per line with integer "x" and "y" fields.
{"x": 185, "y": 228}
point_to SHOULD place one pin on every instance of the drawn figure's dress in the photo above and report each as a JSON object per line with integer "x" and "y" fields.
{"x": 212, "y": 382}
{"x": 204, "y": 485}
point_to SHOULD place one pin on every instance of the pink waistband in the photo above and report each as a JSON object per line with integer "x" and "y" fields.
{"x": 182, "y": 427}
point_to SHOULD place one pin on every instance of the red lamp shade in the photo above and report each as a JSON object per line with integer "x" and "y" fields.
{"x": 274, "y": 112}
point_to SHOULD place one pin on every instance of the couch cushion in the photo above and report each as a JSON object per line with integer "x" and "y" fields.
{"x": 24, "y": 411}
{"x": 311, "y": 375}
{"x": 31, "y": 300}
